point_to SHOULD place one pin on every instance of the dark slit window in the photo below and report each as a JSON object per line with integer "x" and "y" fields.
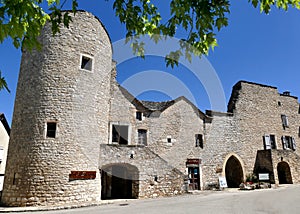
{"x": 51, "y": 129}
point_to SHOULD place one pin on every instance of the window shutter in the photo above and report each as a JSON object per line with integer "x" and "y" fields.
{"x": 293, "y": 144}
{"x": 267, "y": 142}
{"x": 1, "y": 154}
{"x": 284, "y": 143}
{"x": 285, "y": 121}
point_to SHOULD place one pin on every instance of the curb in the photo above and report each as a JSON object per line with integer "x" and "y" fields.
{"x": 49, "y": 208}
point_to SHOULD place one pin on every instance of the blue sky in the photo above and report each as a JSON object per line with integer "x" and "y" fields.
{"x": 254, "y": 47}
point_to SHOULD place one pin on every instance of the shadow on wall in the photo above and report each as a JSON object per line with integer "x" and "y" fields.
{"x": 119, "y": 181}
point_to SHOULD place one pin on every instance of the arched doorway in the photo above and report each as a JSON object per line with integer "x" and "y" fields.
{"x": 233, "y": 172}
{"x": 119, "y": 181}
{"x": 284, "y": 173}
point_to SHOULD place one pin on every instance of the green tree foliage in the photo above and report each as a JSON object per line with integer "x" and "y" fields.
{"x": 22, "y": 20}
{"x": 3, "y": 84}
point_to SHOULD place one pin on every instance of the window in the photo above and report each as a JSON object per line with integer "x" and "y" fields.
{"x": 269, "y": 142}
{"x": 299, "y": 132}
{"x": 279, "y": 103}
{"x": 138, "y": 115}
{"x": 288, "y": 142}
{"x": 120, "y": 134}
{"x": 285, "y": 121}
{"x": 169, "y": 140}
{"x": 142, "y": 137}
{"x": 1, "y": 154}
{"x": 199, "y": 140}
{"x": 86, "y": 63}
{"x": 51, "y": 129}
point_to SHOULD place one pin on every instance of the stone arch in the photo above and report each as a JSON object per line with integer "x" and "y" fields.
{"x": 119, "y": 181}
{"x": 284, "y": 173}
{"x": 233, "y": 170}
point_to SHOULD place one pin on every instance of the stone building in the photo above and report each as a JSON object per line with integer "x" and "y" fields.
{"x": 79, "y": 137}
{"x": 4, "y": 139}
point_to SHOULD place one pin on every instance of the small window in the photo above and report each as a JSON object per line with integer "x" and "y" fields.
{"x": 51, "y": 129}
{"x": 272, "y": 141}
{"x": 142, "y": 137}
{"x": 86, "y": 63}
{"x": 269, "y": 142}
{"x": 288, "y": 142}
{"x": 169, "y": 140}
{"x": 285, "y": 122}
{"x": 279, "y": 103}
{"x": 299, "y": 132}
{"x": 199, "y": 140}
{"x": 138, "y": 115}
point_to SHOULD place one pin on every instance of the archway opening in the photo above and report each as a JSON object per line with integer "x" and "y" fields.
{"x": 119, "y": 181}
{"x": 233, "y": 172}
{"x": 284, "y": 173}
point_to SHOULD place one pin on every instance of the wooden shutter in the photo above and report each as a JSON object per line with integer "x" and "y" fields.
{"x": 267, "y": 142}
{"x": 285, "y": 121}
{"x": 284, "y": 142}
{"x": 293, "y": 144}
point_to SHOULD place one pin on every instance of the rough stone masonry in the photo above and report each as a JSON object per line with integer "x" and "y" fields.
{"x": 79, "y": 137}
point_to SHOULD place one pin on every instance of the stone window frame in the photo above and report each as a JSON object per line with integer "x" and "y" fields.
{"x": 269, "y": 141}
{"x": 199, "y": 140}
{"x": 169, "y": 139}
{"x": 80, "y": 64}
{"x": 288, "y": 143}
{"x": 285, "y": 121}
{"x": 111, "y": 132}
{"x": 138, "y": 137}
{"x": 56, "y": 129}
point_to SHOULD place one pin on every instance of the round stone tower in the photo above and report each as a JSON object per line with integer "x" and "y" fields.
{"x": 60, "y": 117}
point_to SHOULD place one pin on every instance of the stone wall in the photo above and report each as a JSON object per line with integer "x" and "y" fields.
{"x": 180, "y": 122}
{"x": 291, "y": 158}
{"x": 53, "y": 87}
{"x": 85, "y": 103}
{"x": 257, "y": 110}
{"x": 169, "y": 181}
{"x": 222, "y": 142}
{"x": 4, "y": 139}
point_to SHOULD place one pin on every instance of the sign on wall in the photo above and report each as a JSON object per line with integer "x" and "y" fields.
{"x": 263, "y": 176}
{"x": 193, "y": 162}
{"x": 222, "y": 182}
{"x": 82, "y": 175}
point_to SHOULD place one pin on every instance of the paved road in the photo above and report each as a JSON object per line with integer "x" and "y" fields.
{"x": 284, "y": 199}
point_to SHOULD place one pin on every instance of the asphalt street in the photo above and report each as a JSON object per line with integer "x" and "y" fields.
{"x": 284, "y": 199}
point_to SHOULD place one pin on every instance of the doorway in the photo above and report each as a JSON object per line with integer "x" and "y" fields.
{"x": 284, "y": 173}
{"x": 119, "y": 181}
{"x": 233, "y": 172}
{"x": 194, "y": 178}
